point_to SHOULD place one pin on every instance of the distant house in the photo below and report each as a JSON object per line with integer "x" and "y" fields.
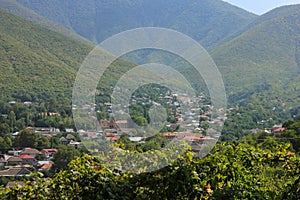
{"x": 15, "y": 172}
{"x": 104, "y": 124}
{"x": 70, "y": 130}
{"x": 74, "y": 144}
{"x": 112, "y": 139}
{"x": 14, "y": 152}
{"x": 28, "y": 159}
{"x": 3, "y": 161}
{"x": 122, "y": 123}
{"x": 169, "y": 135}
{"x": 135, "y": 139}
{"x": 32, "y": 152}
{"x": 63, "y": 140}
{"x": 110, "y": 132}
{"x": 28, "y": 103}
{"x": 70, "y": 137}
{"x": 48, "y": 152}
{"x": 44, "y": 165}
{"x": 14, "y": 160}
{"x": 277, "y": 129}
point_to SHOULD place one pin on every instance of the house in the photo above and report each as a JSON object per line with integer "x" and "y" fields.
{"x": 74, "y": 144}
{"x": 122, "y": 124}
{"x": 70, "y": 130}
{"x": 170, "y": 135}
{"x": 275, "y": 130}
{"x": 32, "y": 152}
{"x": 48, "y": 152}
{"x": 110, "y": 132}
{"x": 47, "y": 166}
{"x": 15, "y": 172}
{"x": 63, "y": 140}
{"x": 135, "y": 139}
{"x": 14, "y": 152}
{"x": 104, "y": 124}
{"x": 14, "y": 160}
{"x": 28, "y": 159}
{"x": 70, "y": 137}
{"x": 27, "y": 103}
{"x": 44, "y": 165}
{"x": 112, "y": 139}
{"x": 3, "y": 161}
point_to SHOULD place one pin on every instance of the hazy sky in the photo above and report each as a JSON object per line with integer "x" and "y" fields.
{"x": 261, "y": 6}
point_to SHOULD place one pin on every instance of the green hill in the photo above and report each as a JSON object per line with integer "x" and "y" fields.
{"x": 261, "y": 66}
{"x": 260, "y": 63}
{"x": 208, "y": 21}
{"x": 36, "y": 61}
{"x": 15, "y": 8}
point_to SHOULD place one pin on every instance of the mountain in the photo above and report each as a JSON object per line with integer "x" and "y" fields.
{"x": 258, "y": 56}
{"x": 207, "y": 21}
{"x": 262, "y": 63}
{"x": 36, "y": 61}
{"x": 15, "y": 8}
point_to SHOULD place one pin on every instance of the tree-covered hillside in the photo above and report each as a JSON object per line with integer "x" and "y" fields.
{"x": 35, "y": 60}
{"x": 261, "y": 65}
{"x": 206, "y": 21}
{"x": 15, "y": 8}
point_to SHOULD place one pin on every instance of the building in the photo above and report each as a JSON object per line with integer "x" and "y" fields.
{"x": 13, "y": 172}
{"x": 48, "y": 152}
{"x": 28, "y": 160}
{"x": 32, "y": 152}
{"x": 14, "y": 160}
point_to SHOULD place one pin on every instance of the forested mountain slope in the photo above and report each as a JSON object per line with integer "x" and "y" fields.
{"x": 36, "y": 61}
{"x": 208, "y": 21}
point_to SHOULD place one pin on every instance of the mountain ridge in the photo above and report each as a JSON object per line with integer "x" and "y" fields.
{"x": 15, "y": 8}
{"x": 261, "y": 65}
{"x": 206, "y": 21}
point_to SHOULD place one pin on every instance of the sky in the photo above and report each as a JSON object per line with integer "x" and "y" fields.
{"x": 261, "y": 6}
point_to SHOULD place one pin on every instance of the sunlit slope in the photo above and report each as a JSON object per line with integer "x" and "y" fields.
{"x": 264, "y": 60}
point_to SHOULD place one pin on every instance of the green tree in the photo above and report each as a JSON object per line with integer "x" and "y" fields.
{"x": 64, "y": 155}
{"x": 26, "y": 138}
{"x": 12, "y": 120}
{"x": 4, "y": 129}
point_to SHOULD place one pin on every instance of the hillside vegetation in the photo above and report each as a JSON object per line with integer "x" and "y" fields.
{"x": 206, "y": 21}
{"x": 261, "y": 65}
{"x": 35, "y": 60}
{"x": 14, "y": 7}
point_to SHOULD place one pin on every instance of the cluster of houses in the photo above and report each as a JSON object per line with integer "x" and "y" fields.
{"x": 23, "y": 162}
{"x": 188, "y": 125}
{"x": 272, "y": 131}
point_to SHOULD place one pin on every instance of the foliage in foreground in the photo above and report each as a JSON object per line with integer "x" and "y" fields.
{"x": 231, "y": 171}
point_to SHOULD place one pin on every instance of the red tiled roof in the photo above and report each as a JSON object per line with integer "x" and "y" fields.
{"x": 25, "y": 156}
{"x": 47, "y": 166}
{"x": 170, "y": 134}
{"x": 278, "y": 130}
{"x": 111, "y": 138}
{"x": 50, "y": 151}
